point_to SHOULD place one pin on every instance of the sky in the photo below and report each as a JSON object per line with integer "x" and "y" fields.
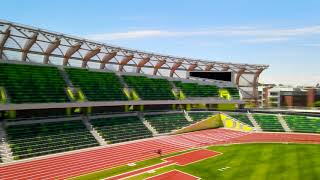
{"x": 282, "y": 34}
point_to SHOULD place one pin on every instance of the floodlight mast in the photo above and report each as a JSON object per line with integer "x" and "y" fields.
{"x": 66, "y": 48}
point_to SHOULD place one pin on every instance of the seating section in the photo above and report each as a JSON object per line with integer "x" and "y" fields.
{"x": 32, "y": 84}
{"x": 120, "y": 129}
{"x": 48, "y": 138}
{"x": 234, "y": 92}
{"x": 150, "y": 88}
{"x": 303, "y": 123}
{"x": 198, "y": 116}
{"x": 97, "y": 86}
{"x": 197, "y": 90}
{"x": 242, "y": 117}
{"x": 165, "y": 123}
{"x": 268, "y": 122}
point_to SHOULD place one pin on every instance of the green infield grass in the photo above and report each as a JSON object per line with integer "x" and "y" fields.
{"x": 241, "y": 161}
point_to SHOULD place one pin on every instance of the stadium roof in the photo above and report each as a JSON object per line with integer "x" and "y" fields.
{"x": 30, "y": 44}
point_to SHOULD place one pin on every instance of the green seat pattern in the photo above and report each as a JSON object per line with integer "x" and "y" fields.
{"x": 97, "y": 86}
{"x": 165, "y": 123}
{"x": 242, "y": 117}
{"x": 198, "y": 116}
{"x": 48, "y": 138}
{"x": 303, "y": 123}
{"x": 268, "y": 122}
{"x": 150, "y": 88}
{"x": 32, "y": 84}
{"x": 234, "y": 92}
{"x": 120, "y": 129}
{"x": 197, "y": 90}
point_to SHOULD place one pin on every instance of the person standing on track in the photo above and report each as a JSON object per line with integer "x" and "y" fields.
{"x": 159, "y": 151}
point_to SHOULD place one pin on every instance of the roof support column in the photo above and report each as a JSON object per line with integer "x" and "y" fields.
{"x": 239, "y": 74}
{"x": 255, "y": 85}
{"x": 27, "y": 46}
{"x": 3, "y": 40}
{"x": 125, "y": 61}
{"x": 54, "y": 45}
{"x": 73, "y": 49}
{"x": 142, "y": 62}
{"x": 89, "y": 55}
{"x": 160, "y": 63}
{"x": 208, "y": 67}
{"x": 107, "y": 58}
{"x": 175, "y": 66}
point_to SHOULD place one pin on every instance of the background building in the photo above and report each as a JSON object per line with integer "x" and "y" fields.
{"x": 271, "y": 95}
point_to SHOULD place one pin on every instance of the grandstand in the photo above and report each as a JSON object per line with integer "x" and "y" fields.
{"x": 303, "y": 123}
{"x": 268, "y": 122}
{"x": 63, "y": 96}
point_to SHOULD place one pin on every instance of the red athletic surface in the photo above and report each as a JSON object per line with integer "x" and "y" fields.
{"x": 173, "y": 175}
{"x": 139, "y": 171}
{"x": 191, "y": 157}
{"x": 182, "y": 159}
{"x": 79, "y": 163}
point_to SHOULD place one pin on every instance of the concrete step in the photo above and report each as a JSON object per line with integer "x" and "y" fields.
{"x": 186, "y": 115}
{"x": 93, "y": 131}
{"x": 283, "y": 123}
{"x": 254, "y": 122}
{"x": 5, "y": 150}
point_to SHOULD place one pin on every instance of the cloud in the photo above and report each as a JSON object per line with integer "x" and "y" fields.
{"x": 248, "y": 34}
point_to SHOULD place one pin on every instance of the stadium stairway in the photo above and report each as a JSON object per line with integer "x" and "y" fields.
{"x": 186, "y": 115}
{"x": 254, "y": 122}
{"x": 93, "y": 131}
{"x": 283, "y": 123}
{"x": 147, "y": 124}
{"x": 5, "y": 150}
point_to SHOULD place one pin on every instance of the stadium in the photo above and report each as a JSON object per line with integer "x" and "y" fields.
{"x": 73, "y": 108}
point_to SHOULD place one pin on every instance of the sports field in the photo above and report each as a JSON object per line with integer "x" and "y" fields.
{"x": 239, "y": 161}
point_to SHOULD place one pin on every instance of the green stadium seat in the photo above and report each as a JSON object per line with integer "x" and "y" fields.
{"x": 120, "y": 129}
{"x": 150, "y": 88}
{"x": 198, "y": 116}
{"x": 303, "y": 124}
{"x": 197, "y": 90}
{"x": 234, "y": 92}
{"x": 32, "y": 84}
{"x": 97, "y": 86}
{"x": 268, "y": 122}
{"x": 242, "y": 117}
{"x": 38, "y": 139}
{"x": 165, "y": 123}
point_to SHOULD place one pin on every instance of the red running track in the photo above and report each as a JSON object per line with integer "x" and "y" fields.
{"x": 79, "y": 163}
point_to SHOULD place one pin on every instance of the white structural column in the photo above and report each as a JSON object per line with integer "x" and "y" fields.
{"x": 72, "y": 49}
{"x": 54, "y": 45}
{"x": 27, "y": 46}
{"x": 89, "y": 55}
